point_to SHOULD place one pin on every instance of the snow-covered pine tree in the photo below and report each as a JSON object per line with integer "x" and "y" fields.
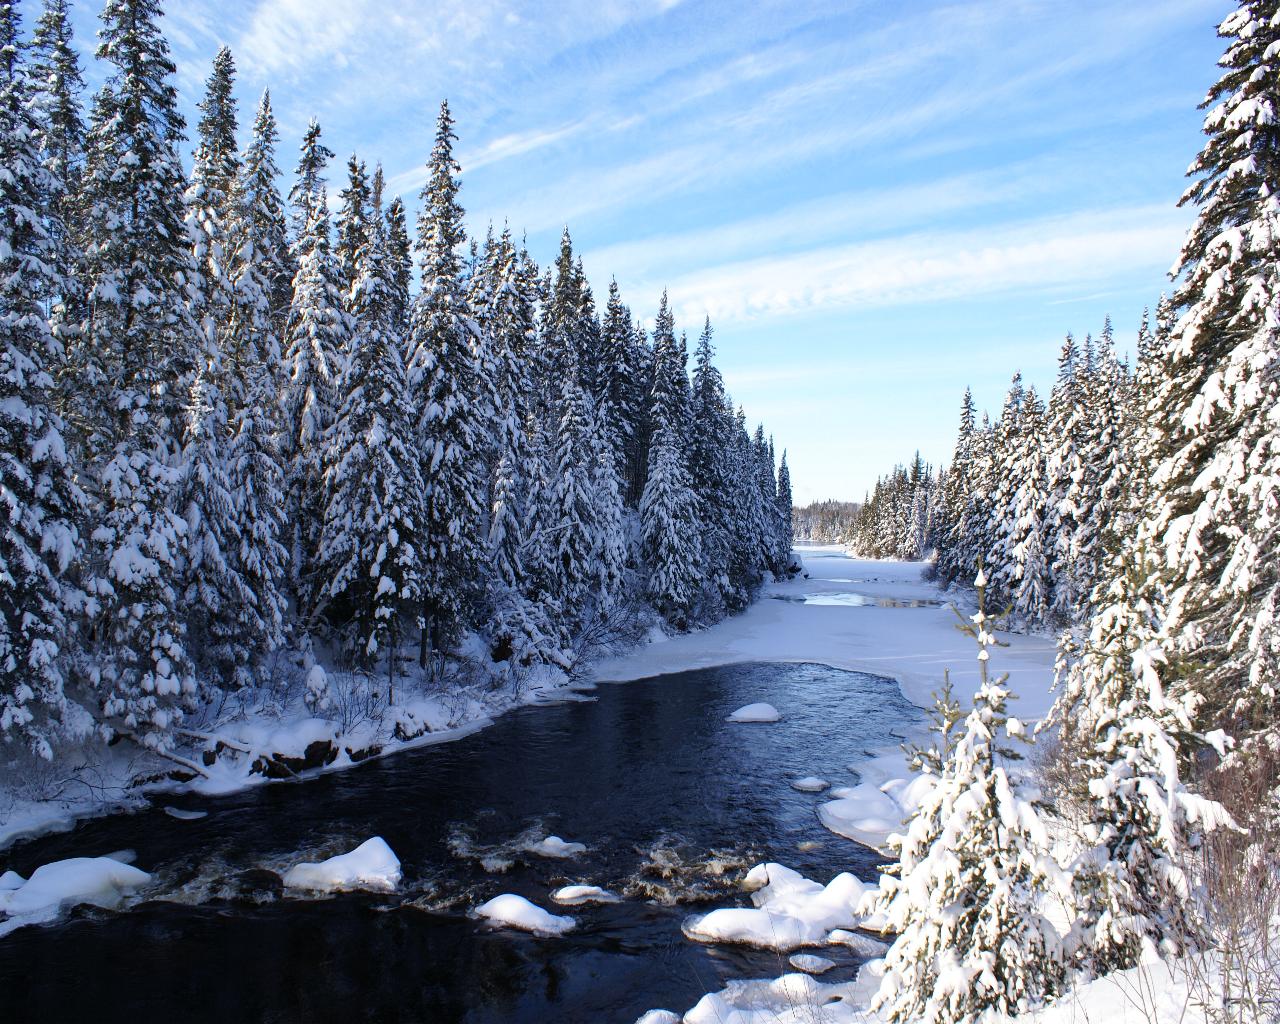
{"x": 57, "y": 85}
{"x": 400, "y": 257}
{"x": 1218, "y": 482}
{"x": 315, "y": 340}
{"x": 213, "y": 177}
{"x": 212, "y": 592}
{"x": 261, "y": 266}
{"x": 314, "y": 157}
{"x": 621, "y": 391}
{"x": 786, "y": 532}
{"x": 353, "y": 222}
{"x": 1069, "y": 485}
{"x": 709, "y": 474}
{"x": 1029, "y": 583}
{"x": 954, "y": 559}
{"x": 43, "y": 506}
{"x": 963, "y": 899}
{"x": 442, "y": 390}
{"x": 574, "y": 535}
{"x": 747, "y": 553}
{"x": 1132, "y": 895}
{"x": 375, "y": 511}
{"x": 671, "y": 533}
{"x": 140, "y": 344}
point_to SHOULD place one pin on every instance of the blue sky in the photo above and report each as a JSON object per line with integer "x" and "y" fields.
{"x": 876, "y": 203}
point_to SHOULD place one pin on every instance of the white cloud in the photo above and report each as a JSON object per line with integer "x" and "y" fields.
{"x": 927, "y": 267}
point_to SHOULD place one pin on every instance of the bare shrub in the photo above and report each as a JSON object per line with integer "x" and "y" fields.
{"x": 1237, "y": 979}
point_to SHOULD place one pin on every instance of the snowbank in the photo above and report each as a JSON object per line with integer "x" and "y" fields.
{"x": 512, "y": 911}
{"x": 371, "y": 865}
{"x": 575, "y": 895}
{"x": 101, "y": 881}
{"x": 790, "y": 911}
{"x": 755, "y": 713}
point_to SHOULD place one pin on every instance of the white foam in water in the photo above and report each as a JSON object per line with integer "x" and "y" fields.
{"x": 512, "y": 911}
{"x": 573, "y": 895}
{"x": 371, "y": 865}
{"x": 755, "y": 713}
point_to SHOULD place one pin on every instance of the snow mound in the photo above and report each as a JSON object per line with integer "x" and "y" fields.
{"x": 810, "y": 784}
{"x": 755, "y": 713}
{"x": 659, "y": 1017}
{"x": 371, "y": 865}
{"x": 790, "y": 911}
{"x": 809, "y": 963}
{"x": 181, "y": 815}
{"x": 573, "y": 895}
{"x": 554, "y": 846}
{"x": 97, "y": 880}
{"x": 791, "y": 999}
{"x": 869, "y": 814}
{"x": 512, "y": 911}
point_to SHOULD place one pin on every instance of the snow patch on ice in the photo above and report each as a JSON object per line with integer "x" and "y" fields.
{"x": 371, "y": 865}
{"x": 810, "y": 784}
{"x": 512, "y": 911}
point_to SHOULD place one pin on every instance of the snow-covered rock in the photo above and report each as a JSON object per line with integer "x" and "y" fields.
{"x": 659, "y": 1017}
{"x": 574, "y": 895}
{"x": 810, "y": 784}
{"x": 791, "y": 999}
{"x": 790, "y": 911}
{"x": 371, "y": 865}
{"x": 512, "y": 911}
{"x": 755, "y": 713}
{"x": 809, "y": 963}
{"x": 97, "y": 880}
{"x": 859, "y": 942}
{"x": 555, "y": 847}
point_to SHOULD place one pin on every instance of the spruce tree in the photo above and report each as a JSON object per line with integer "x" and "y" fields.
{"x": 375, "y": 509}
{"x": 443, "y": 382}
{"x": 141, "y": 343}
{"x": 709, "y": 471}
{"x": 43, "y": 506}
{"x": 670, "y": 532}
{"x": 315, "y": 340}
{"x": 1217, "y": 477}
{"x": 57, "y": 85}
{"x": 400, "y": 258}
{"x": 314, "y": 157}
{"x": 964, "y": 897}
{"x": 354, "y": 218}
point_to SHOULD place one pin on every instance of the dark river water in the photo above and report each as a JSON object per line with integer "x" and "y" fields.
{"x": 673, "y": 803}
